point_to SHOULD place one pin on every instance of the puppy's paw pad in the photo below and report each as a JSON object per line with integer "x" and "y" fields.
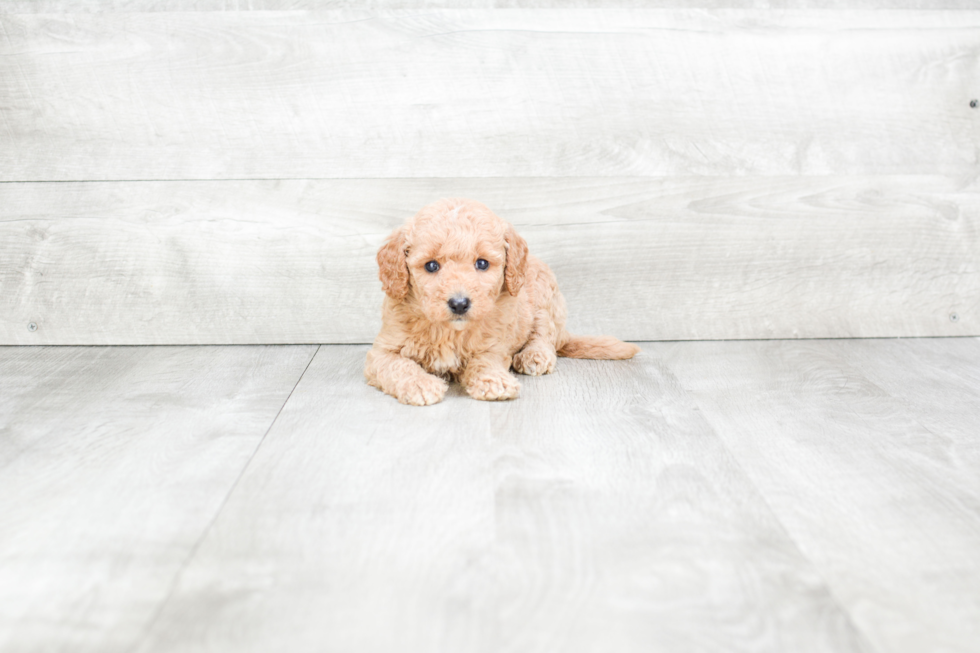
{"x": 421, "y": 390}
{"x": 494, "y": 387}
{"x": 535, "y": 362}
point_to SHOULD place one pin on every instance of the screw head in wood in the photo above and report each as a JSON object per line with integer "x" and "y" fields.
{"x": 32, "y": 326}
{"x": 974, "y": 104}
{"x": 953, "y": 317}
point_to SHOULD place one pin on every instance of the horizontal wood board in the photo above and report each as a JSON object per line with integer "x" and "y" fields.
{"x": 486, "y": 93}
{"x": 644, "y": 259}
{"x": 86, "y": 6}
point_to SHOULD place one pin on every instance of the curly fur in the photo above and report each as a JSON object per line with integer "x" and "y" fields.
{"x": 516, "y": 317}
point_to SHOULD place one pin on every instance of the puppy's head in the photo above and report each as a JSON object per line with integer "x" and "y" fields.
{"x": 453, "y": 260}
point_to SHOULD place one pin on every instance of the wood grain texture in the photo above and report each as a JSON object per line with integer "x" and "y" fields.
{"x": 477, "y": 93}
{"x": 886, "y": 508}
{"x": 85, "y": 6}
{"x": 733, "y": 496}
{"x": 360, "y": 525}
{"x": 294, "y": 261}
{"x": 938, "y": 381}
{"x": 593, "y": 505}
{"x": 113, "y": 462}
{"x": 624, "y": 524}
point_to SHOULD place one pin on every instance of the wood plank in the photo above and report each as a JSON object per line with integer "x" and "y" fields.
{"x": 888, "y": 510}
{"x": 113, "y": 461}
{"x": 607, "y": 508}
{"x": 598, "y": 503}
{"x": 244, "y": 262}
{"x": 85, "y": 6}
{"x": 477, "y": 93}
{"x": 938, "y": 381}
{"x": 360, "y": 525}
{"x": 624, "y": 524}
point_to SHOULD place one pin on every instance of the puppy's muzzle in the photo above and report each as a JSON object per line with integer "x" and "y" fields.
{"x": 459, "y": 305}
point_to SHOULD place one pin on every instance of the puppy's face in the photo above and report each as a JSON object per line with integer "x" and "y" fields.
{"x": 456, "y": 258}
{"x": 456, "y": 262}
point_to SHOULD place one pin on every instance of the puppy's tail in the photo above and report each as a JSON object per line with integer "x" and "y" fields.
{"x": 596, "y": 347}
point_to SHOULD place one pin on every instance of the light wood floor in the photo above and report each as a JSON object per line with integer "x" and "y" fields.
{"x": 781, "y": 496}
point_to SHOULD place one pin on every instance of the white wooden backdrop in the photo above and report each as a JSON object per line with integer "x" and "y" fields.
{"x": 178, "y": 176}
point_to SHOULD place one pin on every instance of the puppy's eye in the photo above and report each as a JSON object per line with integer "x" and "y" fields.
{"x": 431, "y": 266}
{"x": 482, "y": 264}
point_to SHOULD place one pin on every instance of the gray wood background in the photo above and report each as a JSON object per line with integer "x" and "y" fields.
{"x": 721, "y": 497}
{"x": 170, "y": 175}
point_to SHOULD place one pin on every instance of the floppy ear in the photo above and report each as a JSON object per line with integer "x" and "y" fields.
{"x": 516, "y": 268}
{"x": 392, "y": 267}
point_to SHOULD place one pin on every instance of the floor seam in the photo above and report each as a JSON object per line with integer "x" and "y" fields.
{"x": 868, "y": 644}
{"x": 214, "y": 518}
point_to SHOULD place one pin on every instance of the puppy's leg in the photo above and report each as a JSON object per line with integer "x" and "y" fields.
{"x": 403, "y": 379}
{"x": 488, "y": 378}
{"x": 538, "y": 355}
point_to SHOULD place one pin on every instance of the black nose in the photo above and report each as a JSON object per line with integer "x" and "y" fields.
{"x": 459, "y": 305}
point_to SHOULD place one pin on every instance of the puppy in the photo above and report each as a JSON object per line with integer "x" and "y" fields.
{"x": 466, "y": 302}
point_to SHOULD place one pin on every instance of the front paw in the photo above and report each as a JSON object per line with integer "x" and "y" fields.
{"x": 493, "y": 386}
{"x": 421, "y": 390}
{"x": 535, "y": 362}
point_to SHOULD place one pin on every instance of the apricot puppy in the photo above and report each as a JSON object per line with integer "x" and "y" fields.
{"x": 466, "y": 302}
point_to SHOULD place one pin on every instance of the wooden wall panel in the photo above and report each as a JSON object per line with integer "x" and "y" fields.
{"x": 226, "y": 176}
{"x": 644, "y": 259}
{"x": 87, "y": 6}
{"x": 486, "y": 93}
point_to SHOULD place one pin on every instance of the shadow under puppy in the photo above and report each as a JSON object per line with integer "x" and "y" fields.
{"x": 466, "y": 302}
